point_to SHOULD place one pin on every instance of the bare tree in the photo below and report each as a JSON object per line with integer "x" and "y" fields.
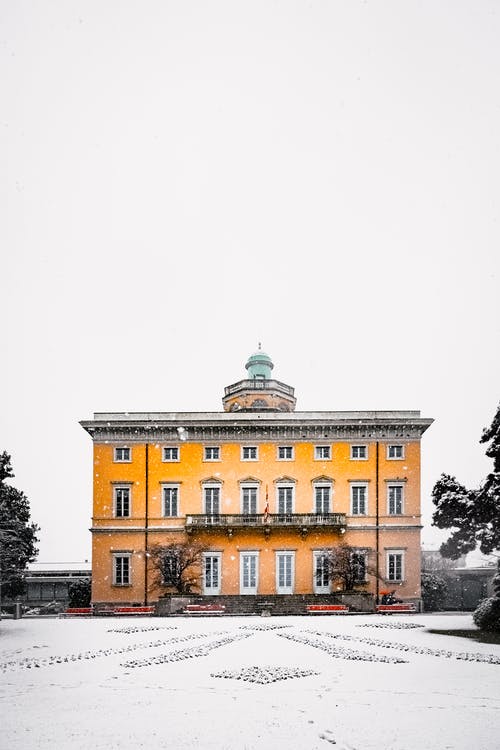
{"x": 349, "y": 565}
{"x": 177, "y": 566}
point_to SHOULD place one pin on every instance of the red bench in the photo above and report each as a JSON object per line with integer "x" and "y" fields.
{"x": 78, "y": 612}
{"x": 326, "y": 609}
{"x": 110, "y": 611}
{"x": 387, "y": 609}
{"x": 133, "y": 610}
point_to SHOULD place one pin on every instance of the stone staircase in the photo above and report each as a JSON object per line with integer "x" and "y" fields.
{"x": 273, "y": 604}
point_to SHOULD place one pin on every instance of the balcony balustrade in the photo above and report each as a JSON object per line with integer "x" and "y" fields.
{"x": 232, "y": 521}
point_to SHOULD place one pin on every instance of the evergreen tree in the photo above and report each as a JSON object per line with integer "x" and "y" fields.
{"x": 80, "y": 593}
{"x": 18, "y": 537}
{"x": 473, "y": 515}
{"x": 434, "y": 588}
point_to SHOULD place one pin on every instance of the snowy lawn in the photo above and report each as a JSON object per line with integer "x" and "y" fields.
{"x": 357, "y": 682}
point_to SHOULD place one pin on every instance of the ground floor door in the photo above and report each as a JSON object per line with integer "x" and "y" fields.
{"x": 321, "y": 573}
{"x": 211, "y": 573}
{"x": 285, "y": 570}
{"x": 249, "y": 572}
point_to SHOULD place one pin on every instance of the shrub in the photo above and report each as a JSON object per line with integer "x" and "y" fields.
{"x": 80, "y": 593}
{"x": 434, "y": 590}
{"x": 487, "y": 615}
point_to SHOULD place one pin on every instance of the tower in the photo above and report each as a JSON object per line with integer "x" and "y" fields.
{"x": 259, "y": 391}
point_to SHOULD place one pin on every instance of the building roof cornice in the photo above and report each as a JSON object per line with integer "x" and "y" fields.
{"x": 224, "y": 426}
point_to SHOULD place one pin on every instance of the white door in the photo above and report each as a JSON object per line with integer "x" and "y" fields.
{"x": 284, "y": 572}
{"x": 249, "y": 572}
{"x": 211, "y": 573}
{"x": 321, "y": 573}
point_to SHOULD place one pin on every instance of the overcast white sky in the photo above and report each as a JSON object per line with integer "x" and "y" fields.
{"x": 180, "y": 180}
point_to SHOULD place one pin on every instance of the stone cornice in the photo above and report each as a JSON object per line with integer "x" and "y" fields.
{"x": 223, "y": 427}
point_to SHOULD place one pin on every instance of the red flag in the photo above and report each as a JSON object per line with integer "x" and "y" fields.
{"x": 266, "y": 509}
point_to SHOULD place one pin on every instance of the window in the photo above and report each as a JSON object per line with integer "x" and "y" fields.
{"x": 211, "y": 572}
{"x": 285, "y": 499}
{"x": 170, "y": 500}
{"x": 211, "y": 495}
{"x": 285, "y": 453}
{"x": 121, "y": 569}
{"x": 322, "y": 452}
{"x": 358, "y": 561}
{"x": 212, "y": 453}
{"x": 359, "y": 452}
{"x": 122, "y": 454}
{"x": 121, "y": 502}
{"x": 395, "y": 499}
{"x": 322, "y": 493}
{"x": 249, "y": 495}
{"x": 171, "y": 453}
{"x": 170, "y": 570}
{"x": 249, "y": 453}
{"x": 321, "y": 573}
{"x": 395, "y": 566}
{"x": 359, "y": 498}
{"x": 395, "y": 452}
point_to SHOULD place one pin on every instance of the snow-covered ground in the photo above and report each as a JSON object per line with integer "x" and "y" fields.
{"x": 357, "y": 682}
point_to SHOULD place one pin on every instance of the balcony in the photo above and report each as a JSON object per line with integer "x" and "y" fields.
{"x": 303, "y": 522}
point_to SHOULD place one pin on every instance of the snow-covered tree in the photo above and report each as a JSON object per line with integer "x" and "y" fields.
{"x": 80, "y": 593}
{"x": 473, "y": 515}
{"x": 18, "y": 537}
{"x": 434, "y": 588}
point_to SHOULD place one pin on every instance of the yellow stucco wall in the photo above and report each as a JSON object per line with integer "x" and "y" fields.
{"x": 110, "y": 535}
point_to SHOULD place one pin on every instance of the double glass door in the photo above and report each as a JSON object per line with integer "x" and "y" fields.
{"x": 285, "y": 572}
{"x": 249, "y": 572}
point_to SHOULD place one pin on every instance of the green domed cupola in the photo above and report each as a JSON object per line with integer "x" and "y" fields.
{"x": 259, "y": 365}
{"x": 259, "y": 392}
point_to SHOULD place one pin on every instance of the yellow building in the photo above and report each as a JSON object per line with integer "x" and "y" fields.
{"x": 267, "y": 490}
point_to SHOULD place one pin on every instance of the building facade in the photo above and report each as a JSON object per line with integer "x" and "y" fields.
{"x": 269, "y": 491}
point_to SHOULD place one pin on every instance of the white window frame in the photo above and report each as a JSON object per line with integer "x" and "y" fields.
{"x": 290, "y": 487}
{"x": 355, "y": 485}
{"x": 212, "y": 590}
{"x": 399, "y": 485}
{"x": 364, "y": 554}
{"x": 329, "y": 487}
{"x": 117, "y": 488}
{"x": 170, "y": 486}
{"x": 171, "y": 448}
{"x": 117, "y": 574}
{"x": 211, "y": 486}
{"x": 245, "y": 448}
{"x": 285, "y": 588}
{"x": 321, "y": 588}
{"x": 247, "y": 554}
{"x": 175, "y": 567}
{"x": 396, "y": 553}
{"x": 390, "y": 446}
{"x": 207, "y": 449}
{"x": 287, "y": 448}
{"x": 121, "y": 460}
{"x": 252, "y": 487}
{"x": 318, "y": 449}
{"x": 357, "y": 447}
